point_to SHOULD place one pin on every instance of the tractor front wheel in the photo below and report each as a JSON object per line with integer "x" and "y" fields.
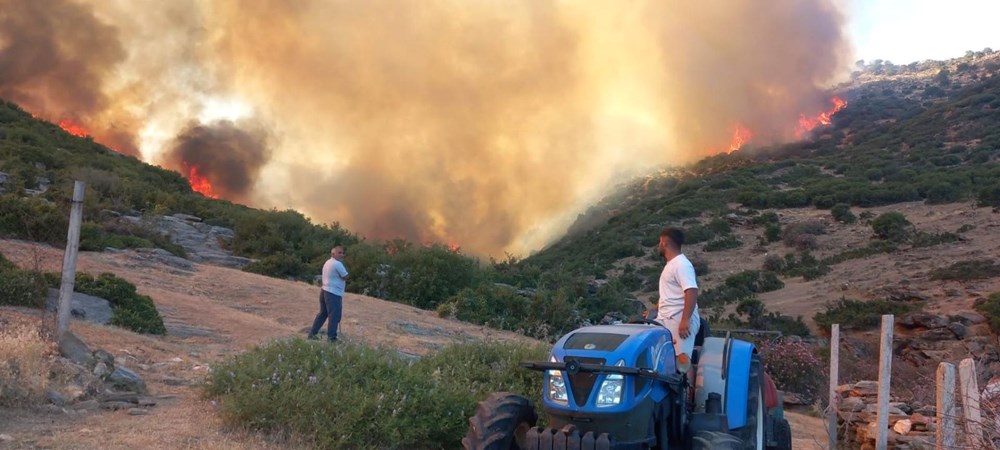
{"x": 501, "y": 422}
{"x": 752, "y": 434}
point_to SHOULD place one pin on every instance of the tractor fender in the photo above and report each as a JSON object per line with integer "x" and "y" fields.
{"x": 724, "y": 368}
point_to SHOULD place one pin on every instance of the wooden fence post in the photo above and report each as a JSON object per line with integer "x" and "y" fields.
{"x": 69, "y": 261}
{"x": 884, "y": 377}
{"x": 969, "y": 389}
{"x": 946, "y": 429}
{"x": 834, "y": 404}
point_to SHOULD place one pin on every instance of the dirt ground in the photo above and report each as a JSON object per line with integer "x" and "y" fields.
{"x": 211, "y": 313}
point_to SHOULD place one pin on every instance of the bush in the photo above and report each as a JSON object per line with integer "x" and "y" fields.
{"x": 976, "y": 269}
{"x": 351, "y": 396}
{"x": 20, "y": 287}
{"x": 723, "y": 243}
{"x": 859, "y": 314}
{"x": 990, "y": 308}
{"x": 802, "y": 235}
{"x": 281, "y": 265}
{"x": 841, "y": 212}
{"x": 24, "y": 365}
{"x": 794, "y": 367}
{"x": 892, "y": 226}
{"x": 132, "y": 310}
{"x": 922, "y": 239}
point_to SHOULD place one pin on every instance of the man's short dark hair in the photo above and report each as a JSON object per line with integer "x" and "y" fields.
{"x": 674, "y": 234}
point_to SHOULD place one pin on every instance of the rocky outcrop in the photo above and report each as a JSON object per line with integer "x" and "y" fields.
{"x": 910, "y": 426}
{"x": 93, "y": 380}
{"x": 202, "y": 242}
{"x": 83, "y": 306}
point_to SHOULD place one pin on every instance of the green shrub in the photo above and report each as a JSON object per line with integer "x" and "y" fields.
{"x": 922, "y": 239}
{"x": 20, "y": 287}
{"x": 723, "y": 243}
{"x": 351, "y": 396}
{"x": 892, "y": 226}
{"x": 872, "y": 249}
{"x": 281, "y": 265}
{"x": 772, "y": 232}
{"x": 841, "y": 212}
{"x": 976, "y": 269}
{"x": 132, "y": 310}
{"x": 859, "y": 314}
{"x": 802, "y": 235}
{"x": 94, "y": 237}
{"x": 990, "y": 308}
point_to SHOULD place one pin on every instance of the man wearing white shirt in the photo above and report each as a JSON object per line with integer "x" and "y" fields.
{"x": 678, "y": 306}
{"x": 331, "y": 296}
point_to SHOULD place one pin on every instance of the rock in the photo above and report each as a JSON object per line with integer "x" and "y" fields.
{"x": 101, "y": 370}
{"x": 852, "y": 404}
{"x": 905, "y": 408}
{"x": 164, "y": 257}
{"x": 130, "y": 397}
{"x": 968, "y": 318}
{"x": 978, "y": 329}
{"x": 83, "y": 306}
{"x": 116, "y": 405}
{"x": 186, "y": 217}
{"x": 73, "y": 393}
{"x": 127, "y": 379}
{"x": 957, "y": 329}
{"x": 905, "y": 295}
{"x": 923, "y": 320}
{"x": 75, "y": 350}
{"x": 937, "y": 334}
{"x": 146, "y": 401}
{"x": 106, "y": 357}
{"x": 86, "y": 405}
{"x": 991, "y": 392}
{"x": 903, "y": 426}
{"x": 926, "y": 410}
{"x": 55, "y": 397}
{"x": 201, "y": 241}
{"x": 5, "y": 437}
{"x": 138, "y": 412}
{"x": 173, "y": 381}
{"x": 53, "y": 409}
{"x": 793, "y": 399}
{"x": 863, "y": 388}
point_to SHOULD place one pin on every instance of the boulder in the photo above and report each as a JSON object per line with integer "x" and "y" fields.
{"x": 82, "y": 306}
{"x": 127, "y": 379}
{"x": 937, "y": 334}
{"x": 968, "y": 318}
{"x": 903, "y": 426}
{"x": 852, "y": 404}
{"x": 55, "y": 398}
{"x": 957, "y": 329}
{"x": 923, "y": 320}
{"x": 164, "y": 257}
{"x": 864, "y": 388}
{"x": 72, "y": 348}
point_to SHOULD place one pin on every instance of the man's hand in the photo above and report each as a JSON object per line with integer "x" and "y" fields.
{"x": 684, "y": 329}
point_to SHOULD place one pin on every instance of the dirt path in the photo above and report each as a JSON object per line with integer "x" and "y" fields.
{"x": 210, "y": 313}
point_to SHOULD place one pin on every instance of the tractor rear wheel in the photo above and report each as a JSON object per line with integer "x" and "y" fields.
{"x": 782, "y": 435}
{"x": 501, "y": 422}
{"x": 752, "y": 434}
{"x": 715, "y": 440}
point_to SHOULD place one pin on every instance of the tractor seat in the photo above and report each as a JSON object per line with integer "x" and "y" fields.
{"x": 699, "y": 340}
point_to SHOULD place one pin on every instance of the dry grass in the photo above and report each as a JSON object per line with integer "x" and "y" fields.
{"x": 24, "y": 364}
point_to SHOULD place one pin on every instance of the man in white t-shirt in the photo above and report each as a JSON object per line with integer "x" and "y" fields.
{"x": 678, "y": 305}
{"x": 331, "y": 296}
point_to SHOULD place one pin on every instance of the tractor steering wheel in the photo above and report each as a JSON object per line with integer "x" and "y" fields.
{"x": 643, "y": 320}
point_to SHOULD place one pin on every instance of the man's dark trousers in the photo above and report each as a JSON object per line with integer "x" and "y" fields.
{"x": 330, "y": 306}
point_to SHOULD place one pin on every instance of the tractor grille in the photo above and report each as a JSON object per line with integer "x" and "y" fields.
{"x": 583, "y": 382}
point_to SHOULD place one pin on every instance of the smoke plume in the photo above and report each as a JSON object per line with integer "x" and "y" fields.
{"x": 226, "y": 154}
{"x": 486, "y": 124}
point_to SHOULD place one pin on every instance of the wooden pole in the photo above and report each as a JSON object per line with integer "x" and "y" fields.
{"x": 834, "y": 404}
{"x": 884, "y": 376}
{"x": 69, "y": 260}
{"x": 946, "y": 429}
{"x": 969, "y": 388}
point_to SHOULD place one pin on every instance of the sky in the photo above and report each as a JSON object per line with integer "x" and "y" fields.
{"x": 904, "y": 31}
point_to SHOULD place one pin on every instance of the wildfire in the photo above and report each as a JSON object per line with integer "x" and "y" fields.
{"x": 741, "y": 135}
{"x": 198, "y": 182}
{"x": 807, "y": 124}
{"x": 71, "y": 127}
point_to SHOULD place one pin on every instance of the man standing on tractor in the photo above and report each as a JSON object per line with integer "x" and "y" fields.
{"x": 678, "y": 305}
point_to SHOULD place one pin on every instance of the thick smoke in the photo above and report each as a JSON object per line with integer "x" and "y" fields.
{"x": 486, "y": 124}
{"x": 54, "y": 58}
{"x": 228, "y": 155}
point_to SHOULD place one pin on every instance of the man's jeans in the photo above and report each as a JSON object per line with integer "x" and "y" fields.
{"x": 330, "y": 306}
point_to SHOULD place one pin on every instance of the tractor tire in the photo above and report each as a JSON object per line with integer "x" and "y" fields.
{"x": 782, "y": 435}
{"x": 752, "y": 434}
{"x": 501, "y": 422}
{"x": 715, "y": 440}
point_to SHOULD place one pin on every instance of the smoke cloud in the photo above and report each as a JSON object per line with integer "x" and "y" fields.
{"x": 486, "y": 124}
{"x": 226, "y": 154}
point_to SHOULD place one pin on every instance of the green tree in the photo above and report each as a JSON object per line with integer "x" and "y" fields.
{"x": 892, "y": 226}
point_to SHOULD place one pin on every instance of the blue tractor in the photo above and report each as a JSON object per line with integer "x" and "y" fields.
{"x": 617, "y": 387}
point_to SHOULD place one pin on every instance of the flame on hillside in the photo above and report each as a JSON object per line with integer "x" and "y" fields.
{"x": 198, "y": 182}
{"x": 807, "y": 124}
{"x": 72, "y": 127}
{"x": 741, "y": 135}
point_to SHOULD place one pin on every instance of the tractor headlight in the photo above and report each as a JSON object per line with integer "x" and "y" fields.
{"x": 557, "y": 385}
{"x": 610, "y": 393}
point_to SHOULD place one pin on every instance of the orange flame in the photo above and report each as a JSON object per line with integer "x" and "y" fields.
{"x": 71, "y": 127}
{"x": 198, "y": 182}
{"x": 741, "y": 135}
{"x": 807, "y": 124}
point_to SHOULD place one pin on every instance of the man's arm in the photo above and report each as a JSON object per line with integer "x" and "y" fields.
{"x": 690, "y": 300}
